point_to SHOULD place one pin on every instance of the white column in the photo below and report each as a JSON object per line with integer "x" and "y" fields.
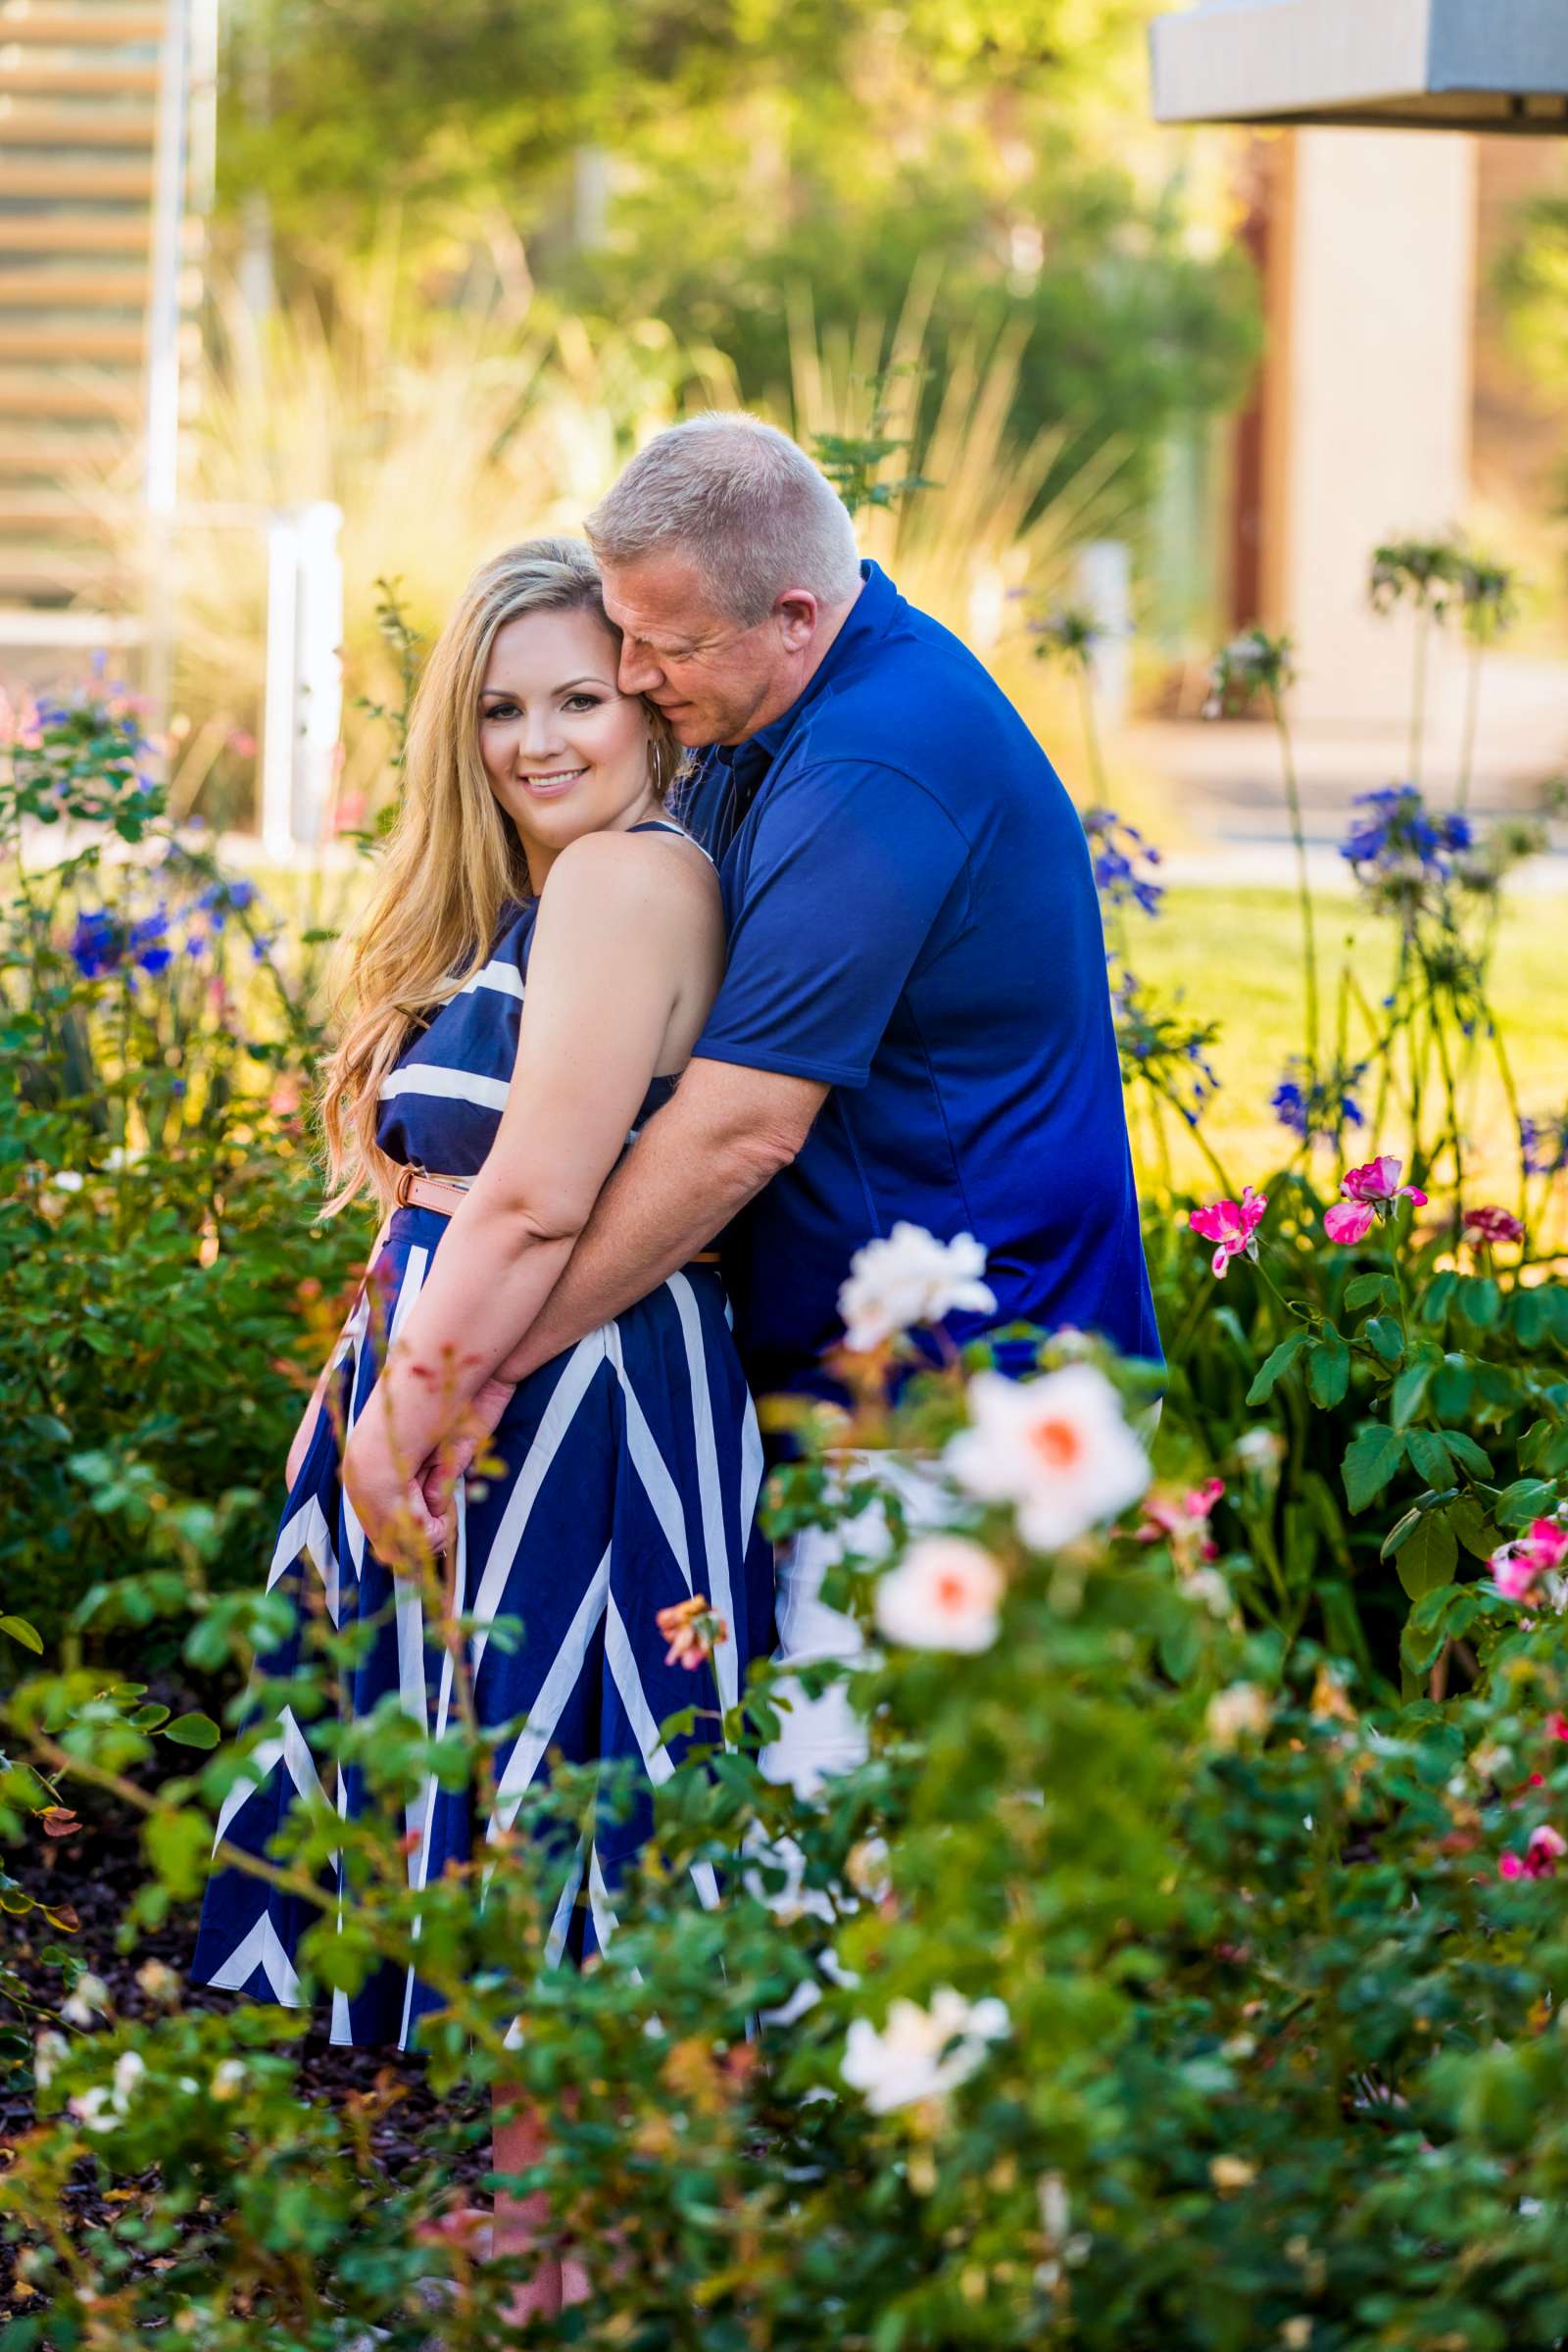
{"x": 1374, "y": 439}
{"x": 303, "y": 704}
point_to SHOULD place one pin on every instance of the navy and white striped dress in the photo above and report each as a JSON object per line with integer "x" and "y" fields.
{"x": 631, "y": 1479}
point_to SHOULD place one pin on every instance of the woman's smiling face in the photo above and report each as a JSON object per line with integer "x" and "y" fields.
{"x": 564, "y": 750}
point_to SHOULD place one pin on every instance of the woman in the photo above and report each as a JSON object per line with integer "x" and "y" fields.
{"x": 537, "y": 960}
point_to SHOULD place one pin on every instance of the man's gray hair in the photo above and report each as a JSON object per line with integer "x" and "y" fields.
{"x": 747, "y": 506}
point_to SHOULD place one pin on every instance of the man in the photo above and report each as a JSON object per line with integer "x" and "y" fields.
{"x": 914, "y": 1021}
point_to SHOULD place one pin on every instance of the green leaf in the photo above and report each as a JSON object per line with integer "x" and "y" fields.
{"x": 1454, "y": 1387}
{"x": 193, "y": 1730}
{"x": 1472, "y": 1528}
{"x": 1467, "y": 1453}
{"x": 1364, "y": 1287}
{"x": 1426, "y": 1558}
{"x": 1526, "y": 1499}
{"x": 1410, "y": 1393}
{"x": 1526, "y": 1312}
{"x": 1275, "y": 1365}
{"x": 1480, "y": 1300}
{"x": 1328, "y": 1369}
{"x": 20, "y": 1631}
{"x": 1386, "y": 1337}
{"x": 1370, "y": 1462}
{"x": 1435, "y": 1304}
{"x": 1430, "y": 1458}
{"x": 178, "y": 1846}
{"x": 1400, "y": 1532}
{"x": 1422, "y": 1641}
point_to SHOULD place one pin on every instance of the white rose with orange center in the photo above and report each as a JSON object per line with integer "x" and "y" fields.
{"x": 944, "y": 1594}
{"x": 1058, "y": 1448}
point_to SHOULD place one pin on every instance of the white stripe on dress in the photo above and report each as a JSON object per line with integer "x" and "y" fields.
{"x": 447, "y": 1085}
{"x": 545, "y": 1713}
{"x": 628, "y": 1682}
{"x": 504, "y": 978}
{"x": 709, "y": 1487}
{"x": 650, "y": 1465}
{"x": 262, "y": 1945}
{"x": 577, "y": 1378}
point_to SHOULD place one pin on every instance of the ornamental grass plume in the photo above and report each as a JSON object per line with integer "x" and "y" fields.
{"x": 1233, "y": 1225}
{"x": 1370, "y": 1194}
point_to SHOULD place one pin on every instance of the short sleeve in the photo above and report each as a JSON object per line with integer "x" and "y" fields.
{"x": 849, "y": 868}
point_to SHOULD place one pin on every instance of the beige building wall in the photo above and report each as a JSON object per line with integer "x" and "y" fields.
{"x": 1368, "y": 402}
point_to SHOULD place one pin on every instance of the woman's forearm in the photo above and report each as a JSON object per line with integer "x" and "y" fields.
{"x": 495, "y": 1270}
{"x": 695, "y": 1164}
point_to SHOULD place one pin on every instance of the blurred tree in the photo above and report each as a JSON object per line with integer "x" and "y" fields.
{"x": 1532, "y": 280}
{"x": 701, "y": 160}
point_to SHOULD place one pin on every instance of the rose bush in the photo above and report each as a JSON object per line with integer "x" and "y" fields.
{"x": 1149, "y": 1985}
{"x": 1182, "y": 1967}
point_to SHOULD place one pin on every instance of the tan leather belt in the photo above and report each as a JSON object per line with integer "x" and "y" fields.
{"x": 416, "y": 1189}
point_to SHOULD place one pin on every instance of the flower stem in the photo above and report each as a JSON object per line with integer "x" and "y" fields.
{"x": 1094, "y": 755}
{"x": 1472, "y": 707}
{"x": 1293, "y": 798}
{"x": 1418, "y": 700}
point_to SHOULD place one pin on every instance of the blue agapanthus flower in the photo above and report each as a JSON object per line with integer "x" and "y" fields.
{"x": 1123, "y": 861}
{"x": 1544, "y": 1144}
{"x": 1156, "y": 1042}
{"x": 1398, "y": 839}
{"x": 1317, "y": 1113}
{"x": 97, "y": 944}
{"x": 103, "y": 943}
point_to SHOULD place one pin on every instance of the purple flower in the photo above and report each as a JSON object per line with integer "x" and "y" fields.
{"x": 1317, "y": 1113}
{"x": 1398, "y": 840}
{"x": 1122, "y": 861}
{"x": 97, "y": 945}
{"x": 1544, "y": 1144}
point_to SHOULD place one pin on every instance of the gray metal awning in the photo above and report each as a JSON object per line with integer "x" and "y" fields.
{"x": 1438, "y": 65}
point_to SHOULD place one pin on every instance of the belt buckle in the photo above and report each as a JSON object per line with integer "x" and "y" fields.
{"x": 408, "y": 1177}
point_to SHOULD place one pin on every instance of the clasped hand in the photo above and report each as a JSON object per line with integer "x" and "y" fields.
{"x": 409, "y": 1513}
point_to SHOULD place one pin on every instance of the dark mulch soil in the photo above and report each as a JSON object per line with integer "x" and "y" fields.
{"x": 96, "y": 1874}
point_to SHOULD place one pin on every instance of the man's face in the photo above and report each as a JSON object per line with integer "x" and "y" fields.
{"x": 714, "y": 680}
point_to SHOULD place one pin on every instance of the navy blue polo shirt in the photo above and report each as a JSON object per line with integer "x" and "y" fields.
{"x": 913, "y": 921}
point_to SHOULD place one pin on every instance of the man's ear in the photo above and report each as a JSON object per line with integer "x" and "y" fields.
{"x": 795, "y": 610}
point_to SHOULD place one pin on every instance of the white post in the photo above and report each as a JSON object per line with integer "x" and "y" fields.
{"x": 304, "y": 698}
{"x": 160, "y": 421}
{"x": 281, "y": 696}
{"x": 159, "y": 474}
{"x": 320, "y": 668}
{"x": 1106, "y": 588}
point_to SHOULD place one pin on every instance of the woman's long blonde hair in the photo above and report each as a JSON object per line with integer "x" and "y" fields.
{"x": 453, "y": 860}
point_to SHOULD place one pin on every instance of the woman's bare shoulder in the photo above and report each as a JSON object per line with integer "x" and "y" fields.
{"x": 654, "y": 884}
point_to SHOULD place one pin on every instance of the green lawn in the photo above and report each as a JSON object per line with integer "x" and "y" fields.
{"x": 1236, "y": 954}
